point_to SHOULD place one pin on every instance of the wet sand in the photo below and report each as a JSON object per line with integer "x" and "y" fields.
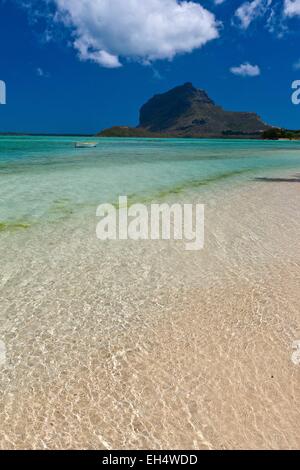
{"x": 146, "y": 346}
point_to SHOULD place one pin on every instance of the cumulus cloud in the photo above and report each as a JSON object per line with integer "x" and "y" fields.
{"x": 250, "y": 11}
{"x": 292, "y": 7}
{"x": 105, "y": 31}
{"x": 246, "y": 70}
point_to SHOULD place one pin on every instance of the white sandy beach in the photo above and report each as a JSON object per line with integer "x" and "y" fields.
{"x": 147, "y": 346}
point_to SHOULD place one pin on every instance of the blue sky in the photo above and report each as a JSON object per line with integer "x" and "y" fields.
{"x": 79, "y": 66}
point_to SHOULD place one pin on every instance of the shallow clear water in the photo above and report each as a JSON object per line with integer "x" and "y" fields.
{"x": 47, "y": 178}
{"x": 120, "y": 345}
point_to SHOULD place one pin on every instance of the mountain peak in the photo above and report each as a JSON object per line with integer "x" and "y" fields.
{"x": 163, "y": 110}
{"x": 187, "y": 111}
{"x": 188, "y": 85}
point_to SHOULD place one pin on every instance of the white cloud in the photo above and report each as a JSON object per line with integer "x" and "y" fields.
{"x": 105, "y": 31}
{"x": 275, "y": 22}
{"x": 250, "y": 11}
{"x": 246, "y": 70}
{"x": 292, "y": 7}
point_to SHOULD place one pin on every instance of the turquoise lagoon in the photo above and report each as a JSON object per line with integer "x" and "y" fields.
{"x": 46, "y": 178}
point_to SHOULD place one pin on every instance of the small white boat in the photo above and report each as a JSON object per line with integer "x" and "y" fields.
{"x": 85, "y": 145}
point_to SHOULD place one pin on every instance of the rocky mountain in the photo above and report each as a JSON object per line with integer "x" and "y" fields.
{"x": 186, "y": 111}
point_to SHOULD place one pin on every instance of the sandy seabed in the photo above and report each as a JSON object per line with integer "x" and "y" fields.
{"x": 146, "y": 346}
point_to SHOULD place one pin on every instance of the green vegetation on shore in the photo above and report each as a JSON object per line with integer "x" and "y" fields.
{"x": 277, "y": 133}
{"x": 140, "y": 132}
{"x": 125, "y": 131}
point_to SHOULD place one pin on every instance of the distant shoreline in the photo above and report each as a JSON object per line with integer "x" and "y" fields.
{"x": 33, "y": 134}
{"x": 103, "y": 135}
{"x": 155, "y": 136}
